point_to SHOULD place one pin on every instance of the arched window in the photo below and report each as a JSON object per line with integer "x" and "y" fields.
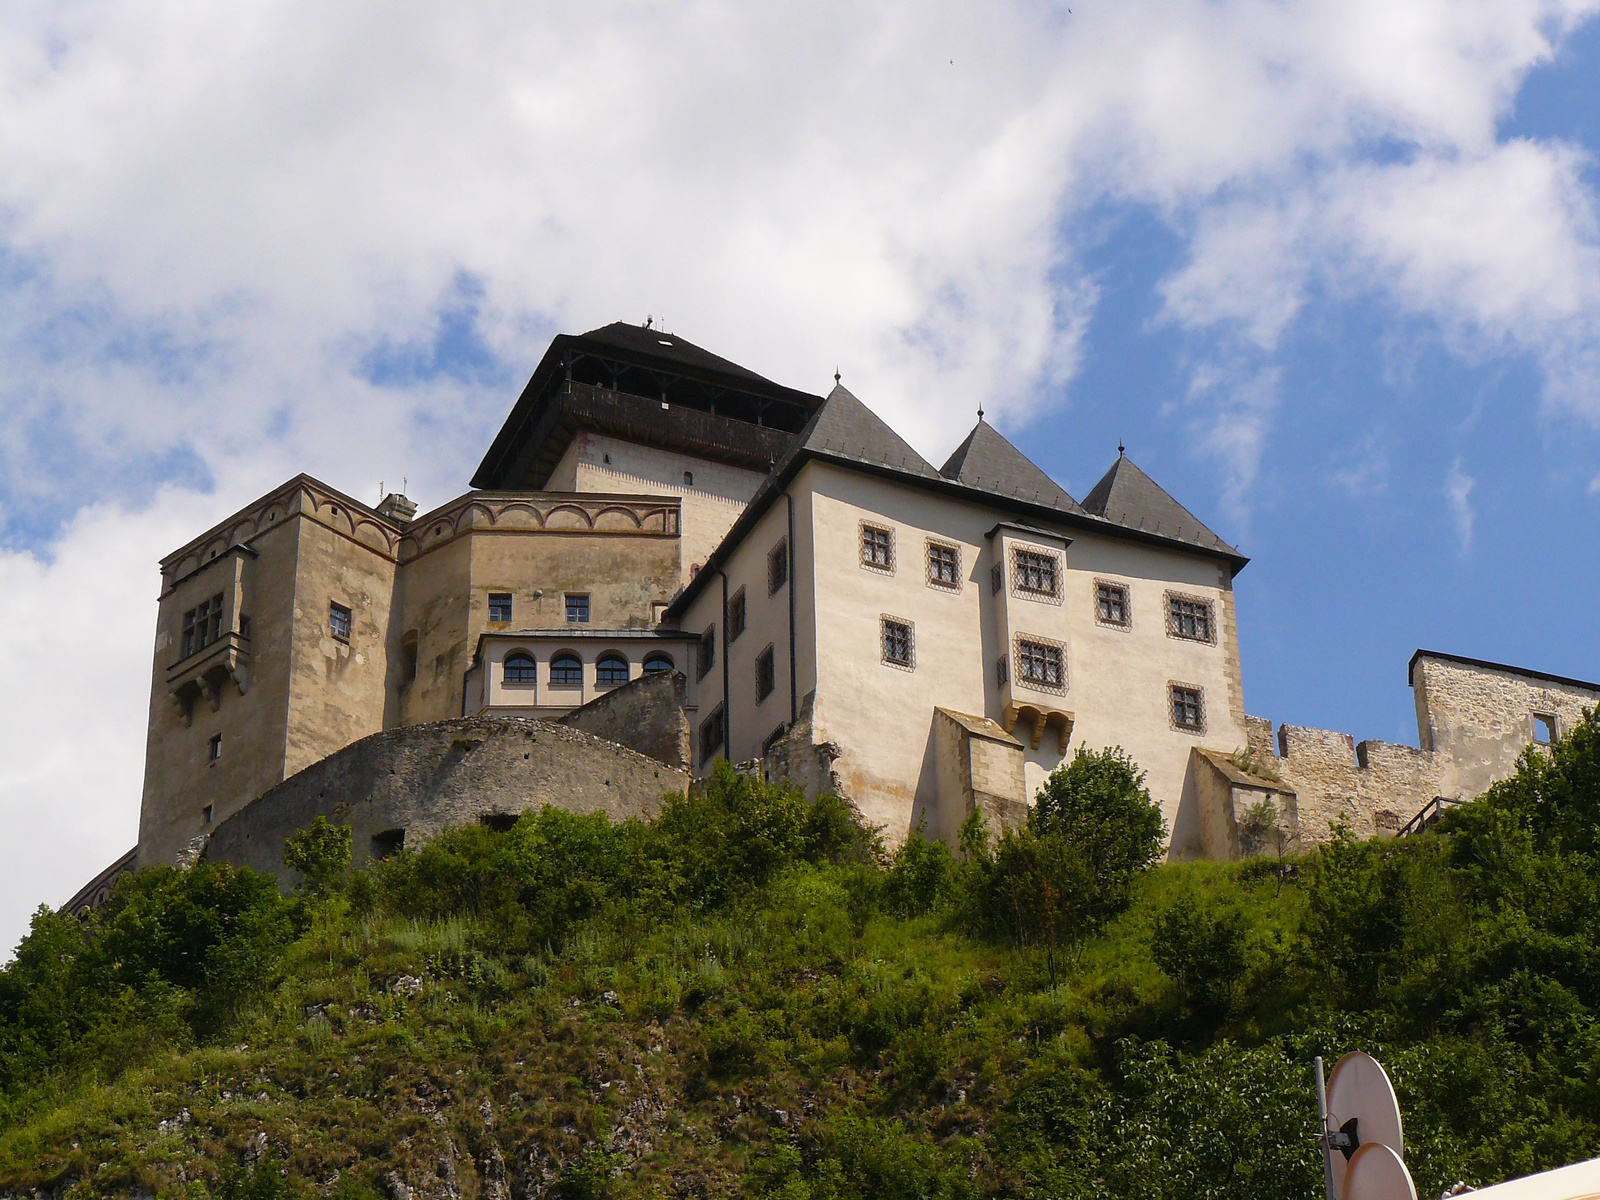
{"x": 566, "y": 670}
{"x": 657, "y": 663}
{"x": 520, "y": 668}
{"x": 611, "y": 670}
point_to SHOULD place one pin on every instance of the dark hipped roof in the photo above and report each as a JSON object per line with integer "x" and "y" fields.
{"x": 986, "y": 461}
{"x": 542, "y": 421}
{"x": 1126, "y": 496}
{"x": 846, "y": 431}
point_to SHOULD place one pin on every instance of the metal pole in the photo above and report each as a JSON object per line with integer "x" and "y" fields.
{"x": 1323, "y": 1138}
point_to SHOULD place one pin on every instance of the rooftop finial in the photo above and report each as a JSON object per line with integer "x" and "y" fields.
{"x": 836, "y": 375}
{"x": 1121, "y": 449}
{"x": 980, "y": 410}
{"x": 649, "y": 320}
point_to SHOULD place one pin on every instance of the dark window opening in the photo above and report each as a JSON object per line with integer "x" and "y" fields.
{"x": 944, "y": 565}
{"x": 339, "y": 621}
{"x": 1000, "y": 671}
{"x": 657, "y": 663}
{"x": 1036, "y": 573}
{"x": 708, "y": 652}
{"x": 499, "y": 822}
{"x": 499, "y": 606}
{"x": 205, "y": 815}
{"x": 1544, "y": 729}
{"x": 688, "y": 479}
{"x": 877, "y": 547}
{"x": 766, "y": 674}
{"x": 566, "y": 670}
{"x": 388, "y": 843}
{"x": 1188, "y": 709}
{"x": 244, "y": 625}
{"x": 214, "y": 748}
{"x": 1111, "y": 603}
{"x": 577, "y": 609}
{"x": 778, "y": 567}
{"x": 408, "y": 658}
{"x": 611, "y": 670}
{"x": 711, "y": 736}
{"x": 899, "y": 644}
{"x": 1039, "y": 663}
{"x": 520, "y": 668}
{"x": 996, "y": 579}
{"x": 202, "y": 625}
{"x": 736, "y": 616}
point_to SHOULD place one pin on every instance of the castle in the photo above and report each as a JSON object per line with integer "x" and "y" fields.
{"x": 657, "y": 526}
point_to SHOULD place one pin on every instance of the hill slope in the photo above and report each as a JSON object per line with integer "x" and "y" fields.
{"x": 741, "y": 1000}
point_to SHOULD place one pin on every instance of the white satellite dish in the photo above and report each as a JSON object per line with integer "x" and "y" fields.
{"x": 1363, "y": 1108}
{"x": 1377, "y": 1173}
{"x": 1580, "y": 1181}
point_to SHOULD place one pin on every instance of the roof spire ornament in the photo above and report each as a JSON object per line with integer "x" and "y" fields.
{"x": 836, "y": 375}
{"x": 980, "y": 410}
{"x": 1122, "y": 451}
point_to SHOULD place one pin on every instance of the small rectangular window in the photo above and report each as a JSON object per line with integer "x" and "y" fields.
{"x": 1544, "y": 728}
{"x": 899, "y": 643}
{"x": 499, "y": 606}
{"x": 708, "y": 652}
{"x": 205, "y": 815}
{"x": 339, "y": 621}
{"x": 214, "y": 748}
{"x": 1000, "y": 671}
{"x": 1189, "y": 617}
{"x": 1040, "y": 664}
{"x": 778, "y": 567}
{"x": 1188, "y": 708}
{"x": 577, "y": 608}
{"x": 1036, "y": 573}
{"x": 1111, "y": 604}
{"x": 766, "y": 674}
{"x": 997, "y": 578}
{"x": 388, "y": 843}
{"x": 944, "y": 565}
{"x": 711, "y": 736}
{"x": 736, "y": 616}
{"x": 877, "y": 547}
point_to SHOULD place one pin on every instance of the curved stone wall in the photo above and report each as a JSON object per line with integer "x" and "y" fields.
{"x": 403, "y": 786}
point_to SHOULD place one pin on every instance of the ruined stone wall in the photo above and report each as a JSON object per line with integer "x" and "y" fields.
{"x": 1478, "y": 717}
{"x": 407, "y": 785}
{"x": 645, "y": 714}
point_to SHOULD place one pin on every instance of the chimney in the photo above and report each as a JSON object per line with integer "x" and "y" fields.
{"x": 397, "y": 508}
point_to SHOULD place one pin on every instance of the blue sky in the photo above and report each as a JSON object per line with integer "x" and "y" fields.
{"x": 1331, "y": 270}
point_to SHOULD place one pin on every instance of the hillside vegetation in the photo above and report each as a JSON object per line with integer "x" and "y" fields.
{"x": 746, "y": 997}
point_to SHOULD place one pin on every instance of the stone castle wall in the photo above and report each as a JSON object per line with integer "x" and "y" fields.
{"x": 403, "y": 786}
{"x": 646, "y": 715}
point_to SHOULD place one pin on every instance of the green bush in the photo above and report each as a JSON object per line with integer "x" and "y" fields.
{"x": 321, "y": 853}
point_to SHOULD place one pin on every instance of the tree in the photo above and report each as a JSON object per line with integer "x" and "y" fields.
{"x": 1203, "y": 954}
{"x": 1099, "y": 802}
{"x": 321, "y": 853}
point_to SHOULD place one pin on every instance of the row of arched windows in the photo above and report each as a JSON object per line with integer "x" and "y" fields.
{"x": 566, "y": 668}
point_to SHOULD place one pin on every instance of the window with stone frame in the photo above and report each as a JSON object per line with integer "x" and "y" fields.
{"x": 711, "y": 736}
{"x": 1191, "y": 618}
{"x": 500, "y": 606}
{"x": 899, "y": 642}
{"x": 339, "y": 621}
{"x": 1111, "y": 606}
{"x": 766, "y": 674}
{"x": 1035, "y": 573}
{"x": 736, "y": 616}
{"x": 1188, "y": 707}
{"x": 1041, "y": 664}
{"x": 708, "y": 652}
{"x": 202, "y": 625}
{"x": 944, "y": 565}
{"x": 777, "y": 566}
{"x": 877, "y": 547}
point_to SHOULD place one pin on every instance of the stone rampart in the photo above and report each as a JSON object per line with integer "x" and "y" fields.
{"x": 645, "y": 714}
{"x": 400, "y": 787}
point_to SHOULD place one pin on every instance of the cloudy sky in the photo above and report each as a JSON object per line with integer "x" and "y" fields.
{"x": 1332, "y": 270}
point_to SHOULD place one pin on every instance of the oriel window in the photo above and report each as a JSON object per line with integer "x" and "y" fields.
{"x": 1036, "y": 573}
{"x": 202, "y": 625}
{"x": 1039, "y": 664}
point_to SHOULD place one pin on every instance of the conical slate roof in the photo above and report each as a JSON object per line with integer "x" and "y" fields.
{"x": 1128, "y": 497}
{"x": 846, "y": 428}
{"x": 986, "y": 461}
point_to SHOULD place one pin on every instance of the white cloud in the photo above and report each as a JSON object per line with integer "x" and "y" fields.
{"x": 210, "y": 216}
{"x": 1458, "y": 487}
